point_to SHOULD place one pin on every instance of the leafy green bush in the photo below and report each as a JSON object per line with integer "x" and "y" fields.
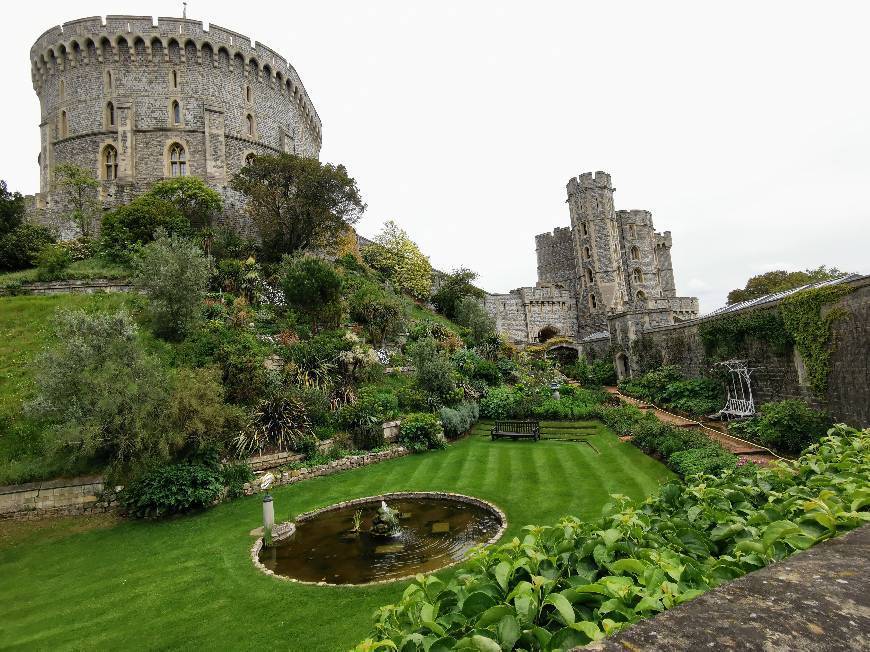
{"x": 312, "y": 286}
{"x": 501, "y": 403}
{"x": 382, "y": 314}
{"x": 710, "y": 460}
{"x": 52, "y": 262}
{"x": 578, "y": 581}
{"x": 173, "y": 273}
{"x": 788, "y": 426}
{"x": 20, "y": 247}
{"x": 172, "y": 489}
{"x": 129, "y": 227}
{"x": 435, "y": 373}
{"x": 365, "y": 418}
{"x": 234, "y": 476}
{"x": 421, "y": 431}
{"x": 666, "y": 387}
{"x": 594, "y": 374}
{"x": 458, "y": 421}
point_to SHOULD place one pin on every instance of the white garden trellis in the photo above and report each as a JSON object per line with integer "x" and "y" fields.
{"x": 740, "y": 402}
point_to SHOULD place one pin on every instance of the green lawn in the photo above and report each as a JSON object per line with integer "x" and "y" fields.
{"x": 80, "y": 270}
{"x": 189, "y": 582}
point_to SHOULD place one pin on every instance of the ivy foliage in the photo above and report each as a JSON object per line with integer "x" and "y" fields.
{"x": 811, "y": 330}
{"x": 722, "y": 338}
{"x": 565, "y": 585}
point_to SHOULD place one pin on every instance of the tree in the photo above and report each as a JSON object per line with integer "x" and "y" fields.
{"x": 81, "y": 186}
{"x": 398, "y": 257}
{"x": 20, "y": 248}
{"x": 198, "y": 203}
{"x": 298, "y": 203}
{"x": 173, "y": 272}
{"x": 101, "y": 395}
{"x": 11, "y": 209}
{"x": 313, "y": 286}
{"x": 381, "y": 313}
{"x": 473, "y": 316}
{"x": 455, "y": 286}
{"x": 781, "y": 280}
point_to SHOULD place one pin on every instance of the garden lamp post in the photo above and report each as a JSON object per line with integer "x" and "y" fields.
{"x": 555, "y": 387}
{"x": 268, "y": 508}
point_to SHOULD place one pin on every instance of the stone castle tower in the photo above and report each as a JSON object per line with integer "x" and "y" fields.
{"x": 608, "y": 264}
{"x": 137, "y": 100}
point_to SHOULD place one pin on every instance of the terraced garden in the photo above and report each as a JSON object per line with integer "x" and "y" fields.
{"x": 189, "y": 582}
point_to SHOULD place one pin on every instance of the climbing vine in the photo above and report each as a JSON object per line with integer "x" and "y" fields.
{"x": 811, "y": 330}
{"x": 723, "y": 337}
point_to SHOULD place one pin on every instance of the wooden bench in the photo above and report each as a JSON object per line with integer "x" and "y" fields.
{"x": 516, "y": 430}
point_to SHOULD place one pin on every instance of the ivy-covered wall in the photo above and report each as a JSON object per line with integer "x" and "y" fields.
{"x": 814, "y": 346}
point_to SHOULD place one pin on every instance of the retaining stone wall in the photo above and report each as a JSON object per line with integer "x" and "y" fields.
{"x": 61, "y": 497}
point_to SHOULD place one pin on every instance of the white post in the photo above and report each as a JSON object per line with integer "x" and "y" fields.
{"x": 268, "y": 517}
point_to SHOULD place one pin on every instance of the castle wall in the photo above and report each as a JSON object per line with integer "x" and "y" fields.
{"x": 219, "y": 79}
{"x": 557, "y": 262}
{"x": 777, "y": 375}
{"x": 522, "y": 313}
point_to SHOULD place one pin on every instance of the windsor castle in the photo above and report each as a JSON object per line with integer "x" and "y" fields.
{"x": 600, "y": 282}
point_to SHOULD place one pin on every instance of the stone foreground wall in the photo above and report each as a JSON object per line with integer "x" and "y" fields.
{"x": 52, "y": 498}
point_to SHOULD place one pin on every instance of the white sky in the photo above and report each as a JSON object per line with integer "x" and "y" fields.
{"x": 743, "y": 126}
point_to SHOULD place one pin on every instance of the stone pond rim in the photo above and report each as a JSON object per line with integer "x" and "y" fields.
{"x": 284, "y": 530}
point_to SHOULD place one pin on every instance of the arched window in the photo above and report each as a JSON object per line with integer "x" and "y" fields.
{"x": 593, "y": 302}
{"x": 110, "y": 163}
{"x": 109, "y": 80}
{"x": 631, "y": 230}
{"x": 110, "y": 115}
{"x": 586, "y": 253}
{"x": 589, "y": 274}
{"x": 247, "y": 93}
{"x": 249, "y": 119}
{"x": 249, "y": 158}
{"x": 177, "y": 161}
{"x": 635, "y": 253}
{"x": 64, "y": 125}
{"x": 640, "y": 295}
{"x": 174, "y": 79}
{"x": 637, "y": 275}
{"x": 176, "y": 112}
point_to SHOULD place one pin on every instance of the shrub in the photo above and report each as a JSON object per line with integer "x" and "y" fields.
{"x": 383, "y": 315}
{"x": 173, "y": 273}
{"x": 501, "y": 403}
{"x": 197, "y": 412}
{"x": 400, "y": 260}
{"x": 421, "y": 431}
{"x": 172, "y": 489}
{"x": 458, "y": 421}
{"x": 471, "y": 314}
{"x": 453, "y": 288}
{"x": 709, "y": 460}
{"x": 278, "y": 422}
{"x": 234, "y": 476}
{"x": 52, "y": 262}
{"x": 11, "y": 209}
{"x": 435, "y": 373}
{"x": 312, "y": 286}
{"x": 129, "y": 227}
{"x": 194, "y": 200}
{"x": 789, "y": 425}
{"x": 103, "y": 398}
{"x": 667, "y": 388}
{"x": 365, "y": 418}
{"x": 21, "y": 246}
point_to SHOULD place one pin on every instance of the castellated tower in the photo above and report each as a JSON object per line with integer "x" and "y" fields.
{"x": 136, "y": 100}
{"x": 599, "y": 261}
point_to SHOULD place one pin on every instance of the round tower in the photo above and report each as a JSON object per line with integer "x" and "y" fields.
{"x": 136, "y": 100}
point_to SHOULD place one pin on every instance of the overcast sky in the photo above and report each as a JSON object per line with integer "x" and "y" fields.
{"x": 743, "y": 127}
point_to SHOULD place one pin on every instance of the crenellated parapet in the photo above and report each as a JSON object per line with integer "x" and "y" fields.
{"x": 95, "y": 41}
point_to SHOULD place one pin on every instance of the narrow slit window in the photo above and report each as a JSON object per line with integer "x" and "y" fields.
{"x": 250, "y": 124}
{"x": 176, "y": 112}
{"x": 110, "y": 114}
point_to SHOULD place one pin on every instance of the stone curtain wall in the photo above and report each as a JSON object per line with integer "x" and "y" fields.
{"x": 556, "y": 260}
{"x": 217, "y": 76}
{"x": 782, "y": 375}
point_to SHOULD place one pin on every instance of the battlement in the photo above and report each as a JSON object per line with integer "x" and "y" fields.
{"x": 71, "y": 43}
{"x": 600, "y": 180}
{"x": 560, "y": 233}
{"x": 635, "y": 216}
{"x": 663, "y": 239}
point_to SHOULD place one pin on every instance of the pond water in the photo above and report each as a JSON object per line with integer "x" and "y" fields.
{"x": 433, "y": 533}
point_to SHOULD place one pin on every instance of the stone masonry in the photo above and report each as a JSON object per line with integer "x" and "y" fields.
{"x": 607, "y": 262}
{"x": 125, "y": 97}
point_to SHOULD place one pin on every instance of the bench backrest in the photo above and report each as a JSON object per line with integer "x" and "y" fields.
{"x": 517, "y": 426}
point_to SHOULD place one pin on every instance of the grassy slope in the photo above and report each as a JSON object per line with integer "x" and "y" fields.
{"x": 189, "y": 582}
{"x": 89, "y": 268}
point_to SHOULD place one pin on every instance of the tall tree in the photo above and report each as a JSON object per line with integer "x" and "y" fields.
{"x": 81, "y": 186}
{"x": 298, "y": 203}
{"x": 399, "y": 258}
{"x": 11, "y": 209}
{"x": 196, "y": 201}
{"x": 455, "y": 286}
{"x": 781, "y": 280}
